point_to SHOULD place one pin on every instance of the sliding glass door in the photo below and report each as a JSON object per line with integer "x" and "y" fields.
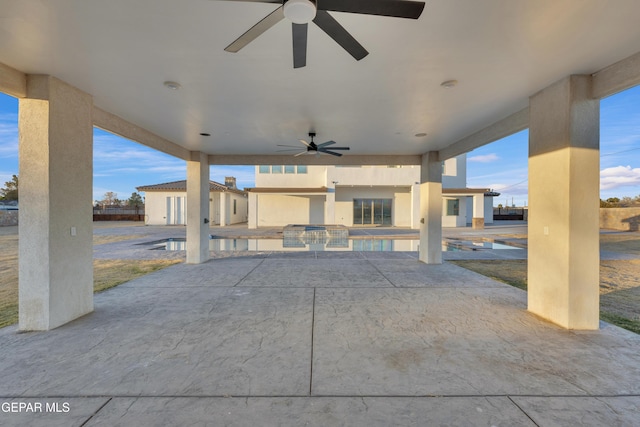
{"x": 372, "y": 212}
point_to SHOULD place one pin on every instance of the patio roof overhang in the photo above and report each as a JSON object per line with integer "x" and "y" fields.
{"x": 541, "y": 65}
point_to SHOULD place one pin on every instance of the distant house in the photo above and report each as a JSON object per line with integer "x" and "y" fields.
{"x": 362, "y": 195}
{"x": 166, "y": 204}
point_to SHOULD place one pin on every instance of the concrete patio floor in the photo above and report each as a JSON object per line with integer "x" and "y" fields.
{"x": 321, "y": 339}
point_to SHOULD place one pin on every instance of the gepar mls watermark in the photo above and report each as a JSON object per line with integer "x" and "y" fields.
{"x": 35, "y": 407}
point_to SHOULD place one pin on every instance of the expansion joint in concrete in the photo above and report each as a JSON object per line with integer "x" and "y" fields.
{"x": 249, "y": 273}
{"x": 313, "y": 325}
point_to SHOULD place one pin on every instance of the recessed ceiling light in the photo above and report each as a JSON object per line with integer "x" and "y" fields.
{"x": 420, "y": 135}
{"x": 172, "y": 85}
{"x": 449, "y": 84}
{"x": 205, "y": 134}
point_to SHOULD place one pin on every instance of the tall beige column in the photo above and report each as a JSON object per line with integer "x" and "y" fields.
{"x": 330, "y": 207}
{"x": 431, "y": 209}
{"x": 478, "y": 211}
{"x": 197, "y": 208}
{"x": 56, "y": 195}
{"x": 253, "y": 211}
{"x": 223, "y": 209}
{"x": 564, "y": 196}
{"x": 415, "y": 206}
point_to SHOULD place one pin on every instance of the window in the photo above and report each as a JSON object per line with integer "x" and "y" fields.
{"x": 234, "y": 206}
{"x": 453, "y": 207}
{"x": 289, "y": 169}
{"x": 372, "y": 211}
{"x": 265, "y": 169}
{"x": 302, "y": 168}
{"x": 276, "y": 169}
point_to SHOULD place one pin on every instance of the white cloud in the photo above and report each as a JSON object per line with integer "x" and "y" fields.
{"x": 484, "y": 158}
{"x": 619, "y": 176}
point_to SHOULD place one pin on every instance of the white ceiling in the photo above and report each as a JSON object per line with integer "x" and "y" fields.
{"x": 500, "y": 51}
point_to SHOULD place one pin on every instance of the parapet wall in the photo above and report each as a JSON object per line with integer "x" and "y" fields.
{"x": 625, "y": 219}
{"x": 8, "y": 218}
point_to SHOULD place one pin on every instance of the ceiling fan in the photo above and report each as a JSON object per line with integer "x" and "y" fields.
{"x": 301, "y": 12}
{"x": 312, "y": 147}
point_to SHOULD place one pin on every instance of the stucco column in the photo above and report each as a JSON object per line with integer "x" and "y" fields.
{"x": 56, "y": 223}
{"x": 253, "y": 211}
{"x": 415, "y": 206}
{"x": 197, "y": 208}
{"x": 564, "y": 258}
{"x": 330, "y": 207}
{"x": 431, "y": 209}
{"x": 477, "y": 221}
{"x": 223, "y": 209}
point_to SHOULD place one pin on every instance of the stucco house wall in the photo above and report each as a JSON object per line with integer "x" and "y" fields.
{"x": 280, "y": 194}
{"x": 166, "y": 204}
{"x": 278, "y": 210}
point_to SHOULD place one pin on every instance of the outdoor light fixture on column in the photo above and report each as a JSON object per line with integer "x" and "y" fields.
{"x": 300, "y": 11}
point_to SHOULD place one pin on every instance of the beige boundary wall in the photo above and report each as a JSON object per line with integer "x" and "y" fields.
{"x": 625, "y": 219}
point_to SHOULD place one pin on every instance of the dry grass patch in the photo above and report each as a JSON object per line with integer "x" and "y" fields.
{"x": 106, "y": 274}
{"x": 102, "y": 239}
{"x": 619, "y": 286}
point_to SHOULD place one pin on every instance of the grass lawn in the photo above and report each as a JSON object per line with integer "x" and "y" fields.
{"x": 619, "y": 284}
{"x": 106, "y": 273}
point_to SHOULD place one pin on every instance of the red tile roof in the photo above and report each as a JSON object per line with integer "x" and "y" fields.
{"x": 182, "y": 186}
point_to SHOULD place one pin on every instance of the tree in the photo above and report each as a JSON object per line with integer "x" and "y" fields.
{"x": 10, "y": 190}
{"x": 626, "y": 201}
{"x": 135, "y": 200}
{"x": 109, "y": 198}
{"x": 613, "y": 200}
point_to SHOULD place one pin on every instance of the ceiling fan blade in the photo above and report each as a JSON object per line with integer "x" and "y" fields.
{"x": 299, "y": 32}
{"x": 395, "y": 8}
{"x": 331, "y": 152}
{"x": 305, "y": 142}
{"x": 254, "y": 32}
{"x": 286, "y": 145}
{"x": 337, "y": 32}
{"x": 336, "y": 148}
{"x": 324, "y": 144}
{"x": 300, "y": 153}
{"x": 288, "y": 149}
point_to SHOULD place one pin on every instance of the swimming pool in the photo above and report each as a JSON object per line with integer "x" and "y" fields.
{"x": 357, "y": 245}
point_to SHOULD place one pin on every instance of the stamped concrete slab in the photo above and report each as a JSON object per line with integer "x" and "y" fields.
{"x": 413, "y": 273}
{"x": 389, "y": 255}
{"x": 320, "y": 273}
{"x": 48, "y": 412}
{"x": 622, "y": 411}
{"x": 314, "y": 411}
{"x": 215, "y": 272}
{"x": 453, "y": 342}
{"x": 174, "y": 341}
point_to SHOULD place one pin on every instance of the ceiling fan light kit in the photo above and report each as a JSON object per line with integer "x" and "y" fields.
{"x": 302, "y": 12}
{"x": 299, "y": 11}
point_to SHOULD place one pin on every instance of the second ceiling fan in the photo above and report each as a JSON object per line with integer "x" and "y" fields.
{"x": 312, "y": 147}
{"x": 301, "y": 12}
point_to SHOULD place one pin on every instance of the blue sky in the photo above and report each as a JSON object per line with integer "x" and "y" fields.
{"x": 121, "y": 165}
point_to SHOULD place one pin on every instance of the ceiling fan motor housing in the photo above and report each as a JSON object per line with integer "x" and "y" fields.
{"x": 300, "y": 11}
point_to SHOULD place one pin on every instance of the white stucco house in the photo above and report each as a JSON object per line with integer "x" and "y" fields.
{"x": 166, "y": 204}
{"x": 361, "y": 195}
